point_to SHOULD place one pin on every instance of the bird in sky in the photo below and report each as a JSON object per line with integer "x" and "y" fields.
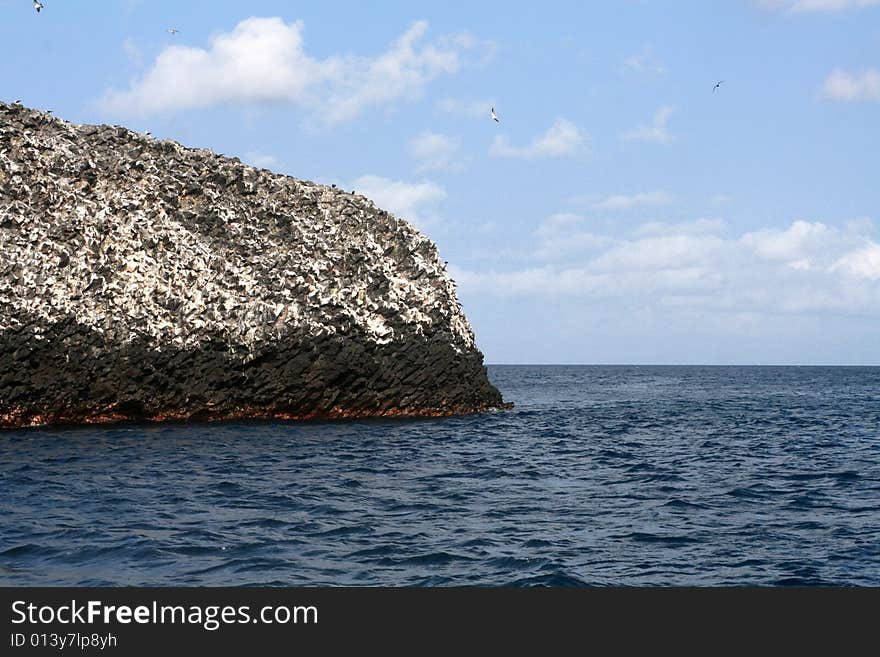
{"x": 495, "y": 116}
{"x": 37, "y": 5}
{"x": 718, "y": 84}
{"x": 173, "y": 30}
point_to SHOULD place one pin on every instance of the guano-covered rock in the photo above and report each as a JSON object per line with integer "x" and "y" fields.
{"x": 143, "y": 280}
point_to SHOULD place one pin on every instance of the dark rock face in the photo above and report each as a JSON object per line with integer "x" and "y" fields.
{"x": 143, "y": 280}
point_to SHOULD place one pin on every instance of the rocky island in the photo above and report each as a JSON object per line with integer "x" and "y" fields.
{"x": 142, "y": 280}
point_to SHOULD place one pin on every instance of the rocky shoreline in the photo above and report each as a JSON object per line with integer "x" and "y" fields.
{"x": 141, "y": 280}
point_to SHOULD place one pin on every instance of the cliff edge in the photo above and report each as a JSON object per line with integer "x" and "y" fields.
{"x": 141, "y": 280}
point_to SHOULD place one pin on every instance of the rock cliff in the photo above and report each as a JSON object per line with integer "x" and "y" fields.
{"x": 143, "y": 280}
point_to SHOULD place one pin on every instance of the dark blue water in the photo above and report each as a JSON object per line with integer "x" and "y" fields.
{"x": 601, "y": 475}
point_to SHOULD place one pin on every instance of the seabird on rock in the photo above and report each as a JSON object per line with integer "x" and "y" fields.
{"x": 495, "y": 116}
{"x": 37, "y": 5}
{"x": 148, "y": 133}
{"x": 716, "y": 86}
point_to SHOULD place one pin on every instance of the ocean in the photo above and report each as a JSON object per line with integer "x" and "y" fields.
{"x": 601, "y": 475}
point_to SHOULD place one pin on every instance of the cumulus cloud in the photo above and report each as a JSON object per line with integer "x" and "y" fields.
{"x": 796, "y": 245}
{"x": 562, "y": 138}
{"x": 656, "y": 132}
{"x": 642, "y": 199}
{"x": 861, "y": 263}
{"x": 798, "y": 6}
{"x": 805, "y": 267}
{"x": 436, "y": 152}
{"x": 414, "y": 202}
{"x": 845, "y": 86}
{"x": 263, "y": 60}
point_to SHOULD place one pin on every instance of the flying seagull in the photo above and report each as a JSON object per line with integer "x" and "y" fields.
{"x": 716, "y": 86}
{"x": 495, "y": 116}
{"x": 37, "y": 5}
{"x": 173, "y": 30}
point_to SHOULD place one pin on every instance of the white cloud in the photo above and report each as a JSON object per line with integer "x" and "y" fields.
{"x": 261, "y": 160}
{"x": 562, "y": 138}
{"x": 844, "y": 86}
{"x": 862, "y": 263}
{"x": 797, "y": 245}
{"x": 263, "y": 60}
{"x": 644, "y": 62}
{"x": 655, "y": 253}
{"x": 466, "y": 109}
{"x": 564, "y": 235}
{"x": 642, "y": 199}
{"x": 698, "y": 227}
{"x": 436, "y": 152}
{"x": 656, "y": 132}
{"x": 805, "y": 267}
{"x": 414, "y": 202}
{"x": 560, "y": 236}
{"x": 798, "y": 6}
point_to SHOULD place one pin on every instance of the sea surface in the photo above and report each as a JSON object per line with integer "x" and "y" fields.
{"x": 599, "y": 476}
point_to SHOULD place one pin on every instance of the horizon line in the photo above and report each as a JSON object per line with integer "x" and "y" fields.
{"x": 675, "y": 365}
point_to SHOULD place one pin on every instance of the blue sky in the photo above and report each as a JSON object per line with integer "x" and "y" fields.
{"x": 621, "y": 212}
